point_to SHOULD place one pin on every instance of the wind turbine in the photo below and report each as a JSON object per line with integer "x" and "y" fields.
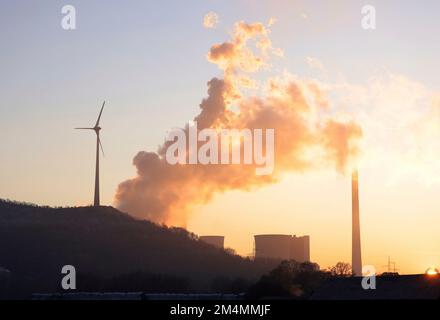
{"x": 97, "y": 128}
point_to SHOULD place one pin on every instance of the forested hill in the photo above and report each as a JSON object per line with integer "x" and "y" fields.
{"x": 103, "y": 243}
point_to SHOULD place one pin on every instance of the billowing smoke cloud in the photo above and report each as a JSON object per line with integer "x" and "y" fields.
{"x": 400, "y": 120}
{"x": 307, "y": 135}
{"x": 210, "y": 20}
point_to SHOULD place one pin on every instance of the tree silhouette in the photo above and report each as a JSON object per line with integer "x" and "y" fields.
{"x": 290, "y": 279}
{"x": 341, "y": 269}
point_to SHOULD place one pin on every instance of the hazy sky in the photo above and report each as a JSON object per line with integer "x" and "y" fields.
{"x": 147, "y": 59}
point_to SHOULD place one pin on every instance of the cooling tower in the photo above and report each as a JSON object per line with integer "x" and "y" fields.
{"x": 356, "y": 257}
{"x": 300, "y": 248}
{"x": 216, "y": 241}
{"x": 282, "y": 247}
{"x": 272, "y": 246}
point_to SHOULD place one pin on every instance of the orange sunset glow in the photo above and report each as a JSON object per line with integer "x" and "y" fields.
{"x": 207, "y": 147}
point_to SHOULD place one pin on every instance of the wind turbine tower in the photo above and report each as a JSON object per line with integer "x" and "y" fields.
{"x": 356, "y": 256}
{"x": 97, "y": 128}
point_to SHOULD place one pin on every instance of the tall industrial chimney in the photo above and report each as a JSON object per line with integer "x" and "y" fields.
{"x": 356, "y": 257}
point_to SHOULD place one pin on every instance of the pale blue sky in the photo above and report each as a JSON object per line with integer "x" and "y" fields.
{"x": 147, "y": 59}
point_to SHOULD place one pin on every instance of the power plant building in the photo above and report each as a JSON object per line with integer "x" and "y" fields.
{"x": 282, "y": 247}
{"x": 216, "y": 241}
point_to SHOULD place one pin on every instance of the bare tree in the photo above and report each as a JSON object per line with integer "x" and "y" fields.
{"x": 341, "y": 269}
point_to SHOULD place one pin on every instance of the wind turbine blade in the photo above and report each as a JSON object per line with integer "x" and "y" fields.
{"x": 100, "y": 144}
{"x": 85, "y": 128}
{"x": 100, "y": 113}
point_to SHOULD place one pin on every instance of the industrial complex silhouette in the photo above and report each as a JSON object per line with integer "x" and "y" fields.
{"x": 288, "y": 247}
